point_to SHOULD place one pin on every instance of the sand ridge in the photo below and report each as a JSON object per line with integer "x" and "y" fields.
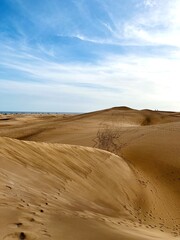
{"x": 119, "y": 180}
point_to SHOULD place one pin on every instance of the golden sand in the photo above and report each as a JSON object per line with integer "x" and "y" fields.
{"x": 108, "y": 175}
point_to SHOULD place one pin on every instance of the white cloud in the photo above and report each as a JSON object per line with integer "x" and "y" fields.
{"x": 150, "y": 3}
{"x": 137, "y": 81}
{"x": 160, "y": 25}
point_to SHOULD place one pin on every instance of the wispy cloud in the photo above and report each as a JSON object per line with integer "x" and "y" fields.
{"x": 158, "y": 25}
{"x": 150, "y": 80}
{"x": 66, "y": 52}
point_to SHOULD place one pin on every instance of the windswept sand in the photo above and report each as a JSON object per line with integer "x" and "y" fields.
{"x": 110, "y": 175}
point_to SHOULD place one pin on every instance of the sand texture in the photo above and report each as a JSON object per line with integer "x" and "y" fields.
{"x": 107, "y": 175}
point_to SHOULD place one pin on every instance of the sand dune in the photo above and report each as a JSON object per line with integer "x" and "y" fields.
{"x": 79, "y": 129}
{"x": 120, "y": 179}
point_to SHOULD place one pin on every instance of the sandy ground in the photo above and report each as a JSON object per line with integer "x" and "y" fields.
{"x": 112, "y": 174}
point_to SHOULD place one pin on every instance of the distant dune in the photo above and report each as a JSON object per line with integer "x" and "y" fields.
{"x": 111, "y": 174}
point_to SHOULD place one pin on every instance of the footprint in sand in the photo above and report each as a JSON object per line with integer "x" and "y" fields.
{"x": 18, "y": 224}
{"x": 20, "y": 236}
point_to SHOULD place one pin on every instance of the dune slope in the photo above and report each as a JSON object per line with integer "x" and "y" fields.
{"x": 124, "y": 185}
{"x": 80, "y": 129}
{"x": 51, "y": 191}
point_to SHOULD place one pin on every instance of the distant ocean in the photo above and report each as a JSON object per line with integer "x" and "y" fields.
{"x": 11, "y": 112}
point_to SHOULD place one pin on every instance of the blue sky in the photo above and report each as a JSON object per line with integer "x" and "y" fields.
{"x": 84, "y": 55}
